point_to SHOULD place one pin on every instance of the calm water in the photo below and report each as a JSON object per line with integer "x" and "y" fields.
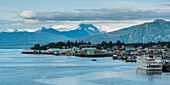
{"x": 21, "y": 69}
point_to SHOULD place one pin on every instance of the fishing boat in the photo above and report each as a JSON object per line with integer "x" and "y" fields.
{"x": 130, "y": 59}
{"x": 115, "y": 56}
{"x": 149, "y": 62}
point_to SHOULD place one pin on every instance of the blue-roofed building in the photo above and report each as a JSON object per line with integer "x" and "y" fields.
{"x": 88, "y": 47}
{"x": 130, "y": 48}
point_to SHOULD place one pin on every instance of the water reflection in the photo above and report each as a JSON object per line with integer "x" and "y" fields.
{"x": 144, "y": 72}
{"x": 18, "y": 69}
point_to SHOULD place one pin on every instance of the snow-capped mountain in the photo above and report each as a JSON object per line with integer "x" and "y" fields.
{"x": 80, "y": 26}
{"x": 82, "y": 30}
{"x": 91, "y": 28}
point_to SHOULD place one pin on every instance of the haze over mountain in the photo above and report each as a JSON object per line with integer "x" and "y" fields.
{"x": 43, "y": 36}
{"x": 158, "y": 30}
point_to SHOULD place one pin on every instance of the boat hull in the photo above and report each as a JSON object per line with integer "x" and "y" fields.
{"x": 149, "y": 69}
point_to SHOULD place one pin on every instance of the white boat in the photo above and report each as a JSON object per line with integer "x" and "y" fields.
{"x": 149, "y": 62}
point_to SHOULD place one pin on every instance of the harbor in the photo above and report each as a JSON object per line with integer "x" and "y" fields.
{"x": 148, "y": 58}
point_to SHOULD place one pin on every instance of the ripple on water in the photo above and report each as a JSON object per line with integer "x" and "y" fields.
{"x": 19, "y": 69}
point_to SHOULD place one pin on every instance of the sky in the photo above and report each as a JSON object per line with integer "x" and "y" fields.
{"x": 31, "y": 15}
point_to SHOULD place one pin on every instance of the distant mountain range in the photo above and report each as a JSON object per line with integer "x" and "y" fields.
{"x": 82, "y": 31}
{"x": 43, "y": 36}
{"x": 159, "y": 30}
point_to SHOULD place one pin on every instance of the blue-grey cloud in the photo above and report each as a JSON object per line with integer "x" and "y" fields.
{"x": 167, "y": 4}
{"x": 98, "y": 14}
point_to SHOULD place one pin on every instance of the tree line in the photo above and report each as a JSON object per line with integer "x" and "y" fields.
{"x": 103, "y": 44}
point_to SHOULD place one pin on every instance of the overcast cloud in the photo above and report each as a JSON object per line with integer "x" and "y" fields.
{"x": 110, "y": 14}
{"x": 98, "y": 14}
